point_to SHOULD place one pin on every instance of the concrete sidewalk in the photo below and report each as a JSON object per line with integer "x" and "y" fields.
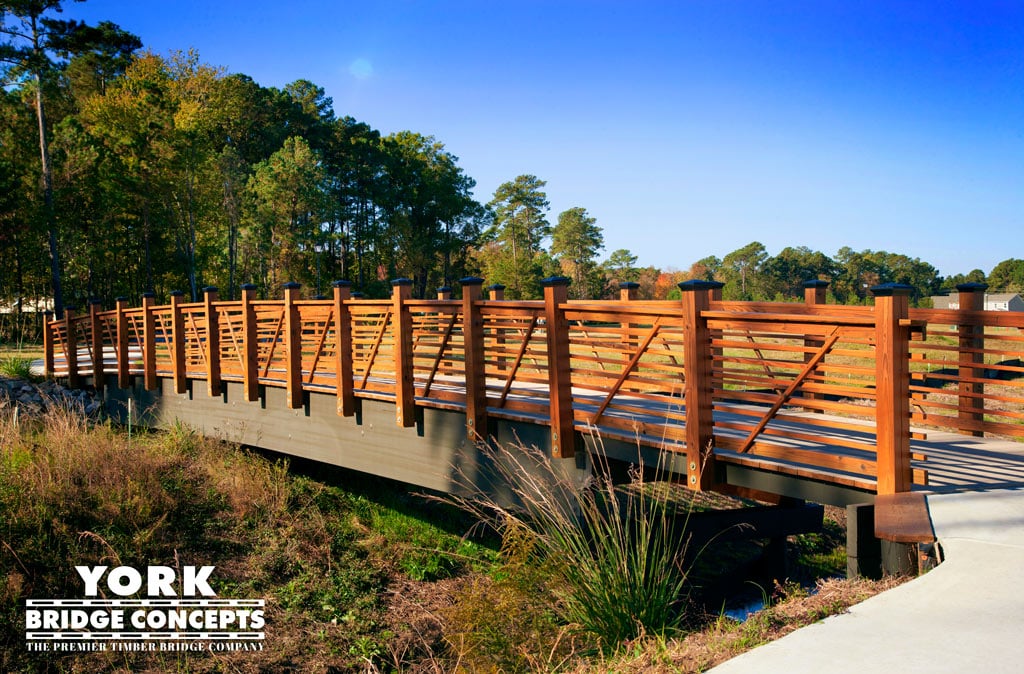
{"x": 966, "y": 615}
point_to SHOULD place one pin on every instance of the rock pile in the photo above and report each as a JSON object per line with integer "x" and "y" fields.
{"x": 36, "y": 398}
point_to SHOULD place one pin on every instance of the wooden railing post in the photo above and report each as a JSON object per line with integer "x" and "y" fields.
{"x": 71, "y": 346}
{"x": 404, "y": 384}
{"x": 627, "y": 293}
{"x": 178, "y": 342}
{"x": 556, "y": 328}
{"x": 343, "y": 385}
{"x": 123, "y": 364}
{"x": 476, "y": 375}
{"x": 892, "y": 387}
{"x": 496, "y": 291}
{"x": 697, "y": 361}
{"x": 814, "y": 295}
{"x": 97, "y": 343}
{"x": 213, "y": 374}
{"x": 970, "y": 403}
{"x": 148, "y": 343}
{"x": 48, "y": 355}
{"x": 293, "y": 345}
{"x": 250, "y": 345}
{"x": 444, "y": 293}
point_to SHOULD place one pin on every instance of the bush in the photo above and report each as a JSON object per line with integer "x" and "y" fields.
{"x": 615, "y": 555}
{"x": 17, "y": 367}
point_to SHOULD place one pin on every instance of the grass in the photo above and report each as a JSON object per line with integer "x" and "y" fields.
{"x": 323, "y": 557}
{"x": 615, "y": 559}
{"x": 358, "y": 574}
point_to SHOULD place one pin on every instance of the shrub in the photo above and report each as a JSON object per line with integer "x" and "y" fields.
{"x": 17, "y": 367}
{"x": 616, "y": 555}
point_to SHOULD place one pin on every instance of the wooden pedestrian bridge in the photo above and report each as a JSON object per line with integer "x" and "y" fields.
{"x": 833, "y": 404}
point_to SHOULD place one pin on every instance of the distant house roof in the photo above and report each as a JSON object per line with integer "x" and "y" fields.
{"x": 993, "y": 301}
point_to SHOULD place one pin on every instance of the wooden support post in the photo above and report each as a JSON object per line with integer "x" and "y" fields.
{"x": 148, "y": 343}
{"x": 97, "y": 343}
{"x": 715, "y": 295}
{"x": 476, "y": 375}
{"x": 292, "y": 346}
{"x": 250, "y": 345}
{"x": 178, "y": 342}
{"x": 405, "y": 391}
{"x": 48, "y": 355}
{"x": 697, "y": 362}
{"x": 343, "y": 385}
{"x": 71, "y": 347}
{"x": 497, "y": 294}
{"x": 556, "y": 327}
{"x": 970, "y": 403}
{"x": 444, "y": 293}
{"x": 213, "y": 385}
{"x": 892, "y": 387}
{"x": 814, "y": 295}
{"x": 628, "y": 293}
{"x": 124, "y": 379}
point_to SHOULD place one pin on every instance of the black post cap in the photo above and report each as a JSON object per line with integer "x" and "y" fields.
{"x": 248, "y": 286}
{"x": 815, "y": 283}
{"x": 628, "y": 285}
{"x": 402, "y": 282}
{"x": 889, "y": 289}
{"x": 319, "y": 297}
{"x": 357, "y": 295}
{"x": 972, "y": 287}
{"x": 291, "y": 285}
{"x": 148, "y": 293}
{"x": 342, "y": 284}
{"x": 496, "y": 286}
{"x": 177, "y": 293}
{"x": 210, "y": 289}
{"x": 471, "y": 281}
{"x": 120, "y": 298}
{"x": 95, "y": 300}
{"x": 699, "y": 284}
{"x": 555, "y": 281}
{"x": 444, "y": 289}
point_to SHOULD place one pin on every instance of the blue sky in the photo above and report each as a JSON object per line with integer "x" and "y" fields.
{"x": 686, "y": 128}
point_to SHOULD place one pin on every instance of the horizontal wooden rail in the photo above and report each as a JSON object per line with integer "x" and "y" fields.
{"x": 783, "y": 382}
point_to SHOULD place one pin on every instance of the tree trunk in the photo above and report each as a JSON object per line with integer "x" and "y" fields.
{"x": 50, "y": 214}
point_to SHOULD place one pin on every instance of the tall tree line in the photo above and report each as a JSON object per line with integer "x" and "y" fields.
{"x": 123, "y": 171}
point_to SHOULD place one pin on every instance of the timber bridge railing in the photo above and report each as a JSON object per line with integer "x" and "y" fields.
{"x": 810, "y": 390}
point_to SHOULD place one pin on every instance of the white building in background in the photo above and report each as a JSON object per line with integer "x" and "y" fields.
{"x": 993, "y": 301}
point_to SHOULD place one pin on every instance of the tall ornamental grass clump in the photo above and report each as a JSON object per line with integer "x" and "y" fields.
{"x": 616, "y": 554}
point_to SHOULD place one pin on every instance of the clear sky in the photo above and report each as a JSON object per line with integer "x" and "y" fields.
{"x": 687, "y": 128}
